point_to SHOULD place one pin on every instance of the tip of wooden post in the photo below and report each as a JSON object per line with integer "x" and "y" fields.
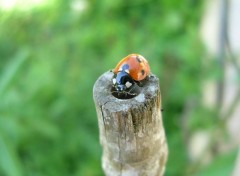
{"x": 103, "y": 95}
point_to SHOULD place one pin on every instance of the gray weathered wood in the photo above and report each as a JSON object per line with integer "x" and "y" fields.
{"x": 131, "y": 130}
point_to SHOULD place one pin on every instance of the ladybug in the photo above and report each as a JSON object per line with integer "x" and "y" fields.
{"x": 129, "y": 72}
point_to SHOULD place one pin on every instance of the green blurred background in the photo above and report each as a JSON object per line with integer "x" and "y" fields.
{"x": 51, "y": 53}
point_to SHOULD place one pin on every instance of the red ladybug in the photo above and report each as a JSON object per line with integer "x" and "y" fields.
{"x": 129, "y": 72}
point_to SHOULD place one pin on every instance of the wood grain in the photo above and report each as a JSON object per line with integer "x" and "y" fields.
{"x": 131, "y": 130}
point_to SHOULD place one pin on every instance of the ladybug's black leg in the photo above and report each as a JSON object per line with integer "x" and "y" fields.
{"x": 132, "y": 93}
{"x": 129, "y": 92}
{"x": 139, "y": 83}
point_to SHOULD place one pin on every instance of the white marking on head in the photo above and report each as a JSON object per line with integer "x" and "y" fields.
{"x": 120, "y": 69}
{"x": 127, "y": 71}
{"x": 114, "y": 81}
{"x": 128, "y": 84}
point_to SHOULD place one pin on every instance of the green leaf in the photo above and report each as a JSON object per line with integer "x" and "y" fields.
{"x": 12, "y": 68}
{"x": 9, "y": 162}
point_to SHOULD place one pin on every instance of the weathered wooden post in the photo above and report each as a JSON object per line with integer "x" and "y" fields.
{"x": 131, "y": 130}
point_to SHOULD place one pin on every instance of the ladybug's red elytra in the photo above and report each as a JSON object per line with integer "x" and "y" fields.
{"x": 129, "y": 71}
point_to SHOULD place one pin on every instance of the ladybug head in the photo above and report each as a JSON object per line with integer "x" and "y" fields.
{"x": 122, "y": 82}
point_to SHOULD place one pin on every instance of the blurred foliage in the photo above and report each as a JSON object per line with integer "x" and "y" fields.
{"x": 50, "y": 57}
{"x": 221, "y": 166}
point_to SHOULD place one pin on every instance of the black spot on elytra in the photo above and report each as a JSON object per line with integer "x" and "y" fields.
{"x": 138, "y": 59}
{"x": 143, "y": 72}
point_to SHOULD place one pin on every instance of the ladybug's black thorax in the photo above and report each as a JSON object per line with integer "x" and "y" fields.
{"x": 122, "y": 77}
{"x": 123, "y": 81}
